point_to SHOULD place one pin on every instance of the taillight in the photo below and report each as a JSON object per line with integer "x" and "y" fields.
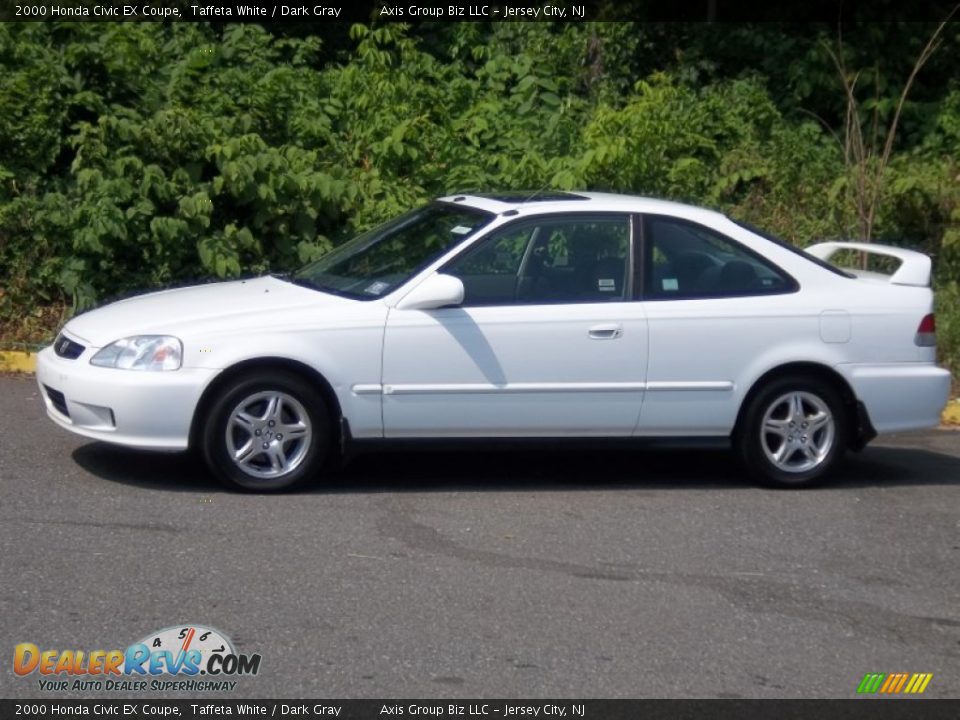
{"x": 926, "y": 332}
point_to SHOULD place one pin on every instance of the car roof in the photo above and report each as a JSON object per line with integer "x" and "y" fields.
{"x": 537, "y": 203}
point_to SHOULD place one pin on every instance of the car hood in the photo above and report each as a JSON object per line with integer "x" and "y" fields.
{"x": 224, "y": 306}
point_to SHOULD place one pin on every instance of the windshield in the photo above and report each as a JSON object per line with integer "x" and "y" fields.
{"x": 382, "y": 259}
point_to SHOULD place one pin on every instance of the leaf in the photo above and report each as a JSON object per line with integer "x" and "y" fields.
{"x": 550, "y": 99}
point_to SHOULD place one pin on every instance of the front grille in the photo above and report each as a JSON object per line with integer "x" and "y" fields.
{"x": 58, "y": 400}
{"x": 67, "y": 348}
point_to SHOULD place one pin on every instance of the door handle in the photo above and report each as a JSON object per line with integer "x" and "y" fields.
{"x": 605, "y": 332}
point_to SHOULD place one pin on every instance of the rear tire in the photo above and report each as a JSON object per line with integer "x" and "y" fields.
{"x": 793, "y": 432}
{"x": 267, "y": 433}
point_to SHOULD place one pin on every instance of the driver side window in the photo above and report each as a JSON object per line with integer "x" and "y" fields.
{"x": 549, "y": 260}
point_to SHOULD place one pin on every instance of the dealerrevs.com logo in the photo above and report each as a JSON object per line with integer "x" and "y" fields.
{"x": 183, "y": 657}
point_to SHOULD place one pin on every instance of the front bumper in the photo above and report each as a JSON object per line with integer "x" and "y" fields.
{"x": 151, "y": 410}
{"x": 899, "y": 396}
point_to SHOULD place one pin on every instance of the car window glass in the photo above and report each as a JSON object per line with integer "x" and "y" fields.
{"x": 378, "y": 261}
{"x": 501, "y": 256}
{"x": 569, "y": 260}
{"x": 686, "y": 260}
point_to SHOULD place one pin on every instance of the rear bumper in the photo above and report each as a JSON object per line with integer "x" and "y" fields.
{"x": 899, "y": 396}
{"x": 138, "y": 409}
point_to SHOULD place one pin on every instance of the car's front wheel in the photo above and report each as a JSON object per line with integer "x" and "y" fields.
{"x": 267, "y": 433}
{"x": 793, "y": 432}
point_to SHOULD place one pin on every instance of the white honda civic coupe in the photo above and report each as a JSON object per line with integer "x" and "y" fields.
{"x": 562, "y": 315}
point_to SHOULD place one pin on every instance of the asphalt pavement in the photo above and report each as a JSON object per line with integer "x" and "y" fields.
{"x": 466, "y": 575}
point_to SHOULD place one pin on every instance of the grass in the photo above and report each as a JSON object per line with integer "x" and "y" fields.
{"x": 33, "y": 330}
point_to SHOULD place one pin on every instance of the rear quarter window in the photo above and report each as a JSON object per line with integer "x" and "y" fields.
{"x": 686, "y": 260}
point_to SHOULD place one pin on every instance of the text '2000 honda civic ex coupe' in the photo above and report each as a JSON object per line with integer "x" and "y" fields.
{"x": 560, "y": 315}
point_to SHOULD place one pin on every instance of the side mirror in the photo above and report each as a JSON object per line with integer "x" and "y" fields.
{"x": 436, "y": 291}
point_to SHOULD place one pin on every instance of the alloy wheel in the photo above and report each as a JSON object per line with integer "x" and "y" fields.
{"x": 797, "y": 432}
{"x": 268, "y": 434}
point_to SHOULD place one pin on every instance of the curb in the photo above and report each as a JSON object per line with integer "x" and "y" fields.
{"x": 26, "y": 362}
{"x": 18, "y": 361}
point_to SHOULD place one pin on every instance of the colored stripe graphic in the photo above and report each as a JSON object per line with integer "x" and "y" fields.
{"x": 889, "y": 683}
{"x": 894, "y": 683}
{"x": 871, "y": 682}
{"x": 927, "y": 677}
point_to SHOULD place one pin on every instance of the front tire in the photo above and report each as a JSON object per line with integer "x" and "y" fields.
{"x": 793, "y": 432}
{"x": 267, "y": 433}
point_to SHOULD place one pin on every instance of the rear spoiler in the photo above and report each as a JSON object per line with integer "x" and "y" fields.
{"x": 914, "y": 266}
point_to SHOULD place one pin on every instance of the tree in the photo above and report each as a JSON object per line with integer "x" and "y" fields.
{"x": 865, "y": 158}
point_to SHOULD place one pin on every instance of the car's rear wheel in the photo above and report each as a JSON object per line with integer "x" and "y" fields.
{"x": 267, "y": 433}
{"x": 793, "y": 432}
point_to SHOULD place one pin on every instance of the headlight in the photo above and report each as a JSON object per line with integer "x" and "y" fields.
{"x": 141, "y": 352}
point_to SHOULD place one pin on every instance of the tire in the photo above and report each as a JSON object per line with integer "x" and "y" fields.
{"x": 267, "y": 433}
{"x": 793, "y": 432}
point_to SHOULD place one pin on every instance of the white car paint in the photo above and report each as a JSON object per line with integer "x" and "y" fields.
{"x": 537, "y": 370}
{"x": 662, "y": 368}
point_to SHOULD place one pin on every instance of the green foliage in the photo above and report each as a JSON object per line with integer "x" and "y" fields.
{"x": 31, "y": 110}
{"x": 948, "y": 324}
{"x": 138, "y": 155}
{"x": 670, "y": 139}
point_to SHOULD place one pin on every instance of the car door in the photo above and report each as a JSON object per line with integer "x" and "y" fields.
{"x": 547, "y": 341}
{"x": 713, "y": 308}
